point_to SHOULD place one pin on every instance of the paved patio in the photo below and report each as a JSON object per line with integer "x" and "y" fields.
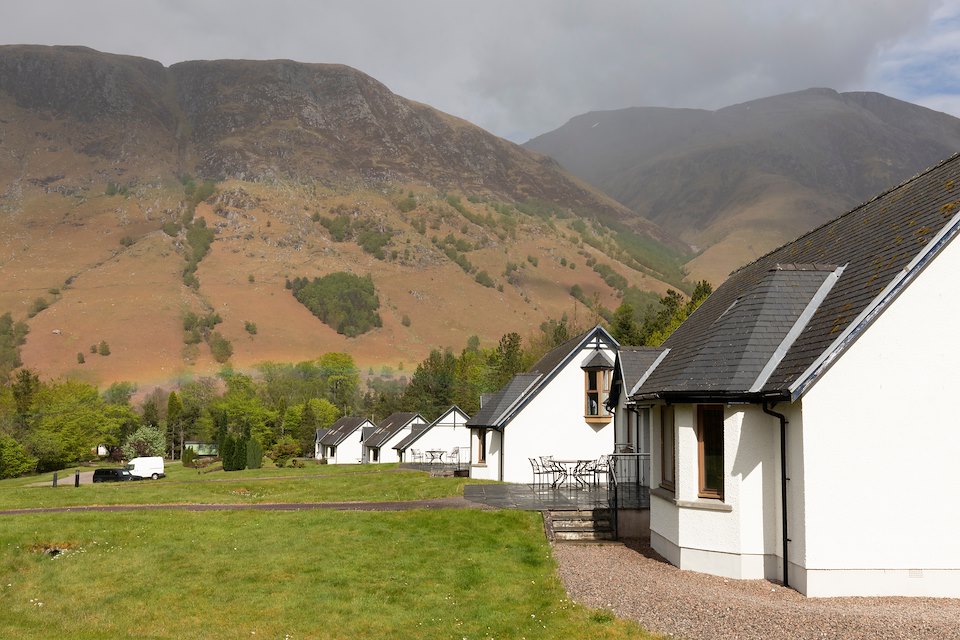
{"x": 537, "y": 498}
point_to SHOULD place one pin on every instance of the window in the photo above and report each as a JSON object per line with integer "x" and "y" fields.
{"x": 598, "y": 388}
{"x": 668, "y": 449}
{"x": 481, "y": 446}
{"x": 331, "y": 452}
{"x": 710, "y": 450}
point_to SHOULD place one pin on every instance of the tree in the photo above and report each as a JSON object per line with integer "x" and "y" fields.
{"x": 254, "y": 454}
{"x": 145, "y": 441}
{"x": 14, "y": 458}
{"x": 625, "y": 328}
{"x": 341, "y": 380}
{"x": 313, "y": 414}
{"x": 119, "y": 393}
{"x": 103, "y": 348}
{"x": 507, "y": 359}
{"x": 174, "y": 422}
{"x": 431, "y": 389}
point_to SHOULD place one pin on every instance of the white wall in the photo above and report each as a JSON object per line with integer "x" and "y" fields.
{"x": 735, "y": 537}
{"x": 881, "y": 444}
{"x": 350, "y": 451}
{"x": 387, "y": 451}
{"x": 450, "y": 432}
{"x": 491, "y": 468}
{"x": 553, "y": 424}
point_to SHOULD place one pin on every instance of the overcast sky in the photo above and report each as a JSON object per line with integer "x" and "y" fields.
{"x": 519, "y": 68}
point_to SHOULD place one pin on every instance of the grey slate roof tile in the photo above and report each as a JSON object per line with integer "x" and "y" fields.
{"x": 388, "y": 428}
{"x": 340, "y": 429}
{"x": 875, "y": 242}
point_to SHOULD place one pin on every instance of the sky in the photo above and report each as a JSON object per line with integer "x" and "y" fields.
{"x": 519, "y": 68}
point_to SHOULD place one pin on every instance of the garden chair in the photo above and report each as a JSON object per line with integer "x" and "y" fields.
{"x": 539, "y": 473}
{"x": 600, "y": 467}
{"x": 556, "y": 470}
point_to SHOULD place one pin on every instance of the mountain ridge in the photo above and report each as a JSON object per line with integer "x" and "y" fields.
{"x": 743, "y": 179}
{"x": 464, "y": 233}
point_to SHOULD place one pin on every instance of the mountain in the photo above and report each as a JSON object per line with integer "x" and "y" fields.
{"x": 739, "y": 181}
{"x": 115, "y": 171}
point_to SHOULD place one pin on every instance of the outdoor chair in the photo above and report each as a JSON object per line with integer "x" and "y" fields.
{"x": 600, "y": 467}
{"x": 583, "y": 473}
{"x": 539, "y": 473}
{"x": 454, "y": 456}
{"x": 558, "y": 473}
{"x": 416, "y": 455}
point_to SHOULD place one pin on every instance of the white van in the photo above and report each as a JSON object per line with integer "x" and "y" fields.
{"x": 149, "y": 467}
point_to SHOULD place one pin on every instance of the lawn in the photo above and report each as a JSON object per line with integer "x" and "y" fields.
{"x": 313, "y": 483}
{"x": 307, "y": 574}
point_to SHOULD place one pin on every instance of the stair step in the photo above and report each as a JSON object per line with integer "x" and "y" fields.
{"x": 567, "y": 523}
{"x": 571, "y": 536}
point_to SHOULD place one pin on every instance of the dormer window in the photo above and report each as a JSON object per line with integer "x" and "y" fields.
{"x": 598, "y": 373}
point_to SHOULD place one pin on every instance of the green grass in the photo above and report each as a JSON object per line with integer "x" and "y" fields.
{"x": 313, "y": 483}
{"x": 311, "y": 574}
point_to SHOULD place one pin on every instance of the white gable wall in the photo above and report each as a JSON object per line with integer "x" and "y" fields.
{"x": 553, "y": 423}
{"x": 490, "y": 469}
{"x": 350, "y": 451}
{"x": 387, "y": 452}
{"x": 881, "y": 443}
{"x": 451, "y": 431}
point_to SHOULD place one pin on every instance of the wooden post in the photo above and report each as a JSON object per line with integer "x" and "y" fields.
{"x": 76, "y": 479}
{"x": 54, "y": 478}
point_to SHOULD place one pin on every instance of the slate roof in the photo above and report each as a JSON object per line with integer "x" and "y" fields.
{"x": 767, "y": 318}
{"x": 389, "y": 427}
{"x": 417, "y": 431}
{"x": 499, "y": 409}
{"x": 320, "y": 434}
{"x": 340, "y": 429}
{"x": 632, "y": 364}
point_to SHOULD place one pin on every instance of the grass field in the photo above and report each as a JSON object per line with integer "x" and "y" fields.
{"x": 313, "y": 483}
{"x": 299, "y": 574}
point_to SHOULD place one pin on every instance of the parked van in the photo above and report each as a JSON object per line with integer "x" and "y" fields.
{"x": 148, "y": 467}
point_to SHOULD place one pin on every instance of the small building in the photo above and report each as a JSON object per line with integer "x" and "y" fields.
{"x": 788, "y": 409}
{"x": 448, "y": 433}
{"x": 202, "y": 449}
{"x": 378, "y": 443}
{"x": 557, "y": 408}
{"x": 342, "y": 442}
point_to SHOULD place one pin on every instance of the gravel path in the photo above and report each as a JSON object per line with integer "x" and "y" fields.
{"x": 634, "y": 583}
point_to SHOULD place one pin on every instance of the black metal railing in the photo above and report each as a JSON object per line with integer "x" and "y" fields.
{"x": 631, "y": 472}
{"x": 613, "y": 490}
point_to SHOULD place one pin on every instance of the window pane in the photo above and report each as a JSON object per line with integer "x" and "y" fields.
{"x": 711, "y": 450}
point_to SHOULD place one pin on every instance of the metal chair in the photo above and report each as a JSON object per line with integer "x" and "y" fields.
{"x": 601, "y": 466}
{"x": 556, "y": 470}
{"x": 539, "y": 473}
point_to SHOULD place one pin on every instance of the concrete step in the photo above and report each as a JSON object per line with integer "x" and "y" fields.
{"x": 567, "y": 535}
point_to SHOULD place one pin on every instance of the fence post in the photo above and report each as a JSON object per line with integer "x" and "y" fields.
{"x": 54, "y": 478}
{"x": 76, "y": 479}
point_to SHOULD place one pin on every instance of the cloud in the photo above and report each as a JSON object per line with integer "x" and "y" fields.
{"x": 522, "y": 68}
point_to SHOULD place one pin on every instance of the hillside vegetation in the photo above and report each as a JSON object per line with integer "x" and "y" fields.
{"x": 133, "y": 195}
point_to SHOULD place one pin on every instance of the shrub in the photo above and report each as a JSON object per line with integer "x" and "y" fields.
{"x": 220, "y": 347}
{"x": 533, "y": 260}
{"x": 127, "y": 241}
{"x": 484, "y": 278}
{"x": 254, "y": 454}
{"x": 405, "y": 321}
{"x": 14, "y": 459}
{"x": 103, "y": 348}
{"x": 407, "y": 205}
{"x": 171, "y": 228}
{"x": 187, "y": 457}
{"x": 251, "y": 279}
{"x": 80, "y": 358}
{"x": 285, "y": 449}
{"x": 93, "y": 348}
{"x": 38, "y": 305}
{"x": 251, "y": 327}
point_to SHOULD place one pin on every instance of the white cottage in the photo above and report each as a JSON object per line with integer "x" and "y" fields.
{"x": 448, "y": 433}
{"x": 557, "y": 408}
{"x": 342, "y": 443}
{"x": 378, "y": 444}
{"x": 799, "y": 427}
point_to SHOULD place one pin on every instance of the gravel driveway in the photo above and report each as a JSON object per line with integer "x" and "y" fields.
{"x": 634, "y": 583}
